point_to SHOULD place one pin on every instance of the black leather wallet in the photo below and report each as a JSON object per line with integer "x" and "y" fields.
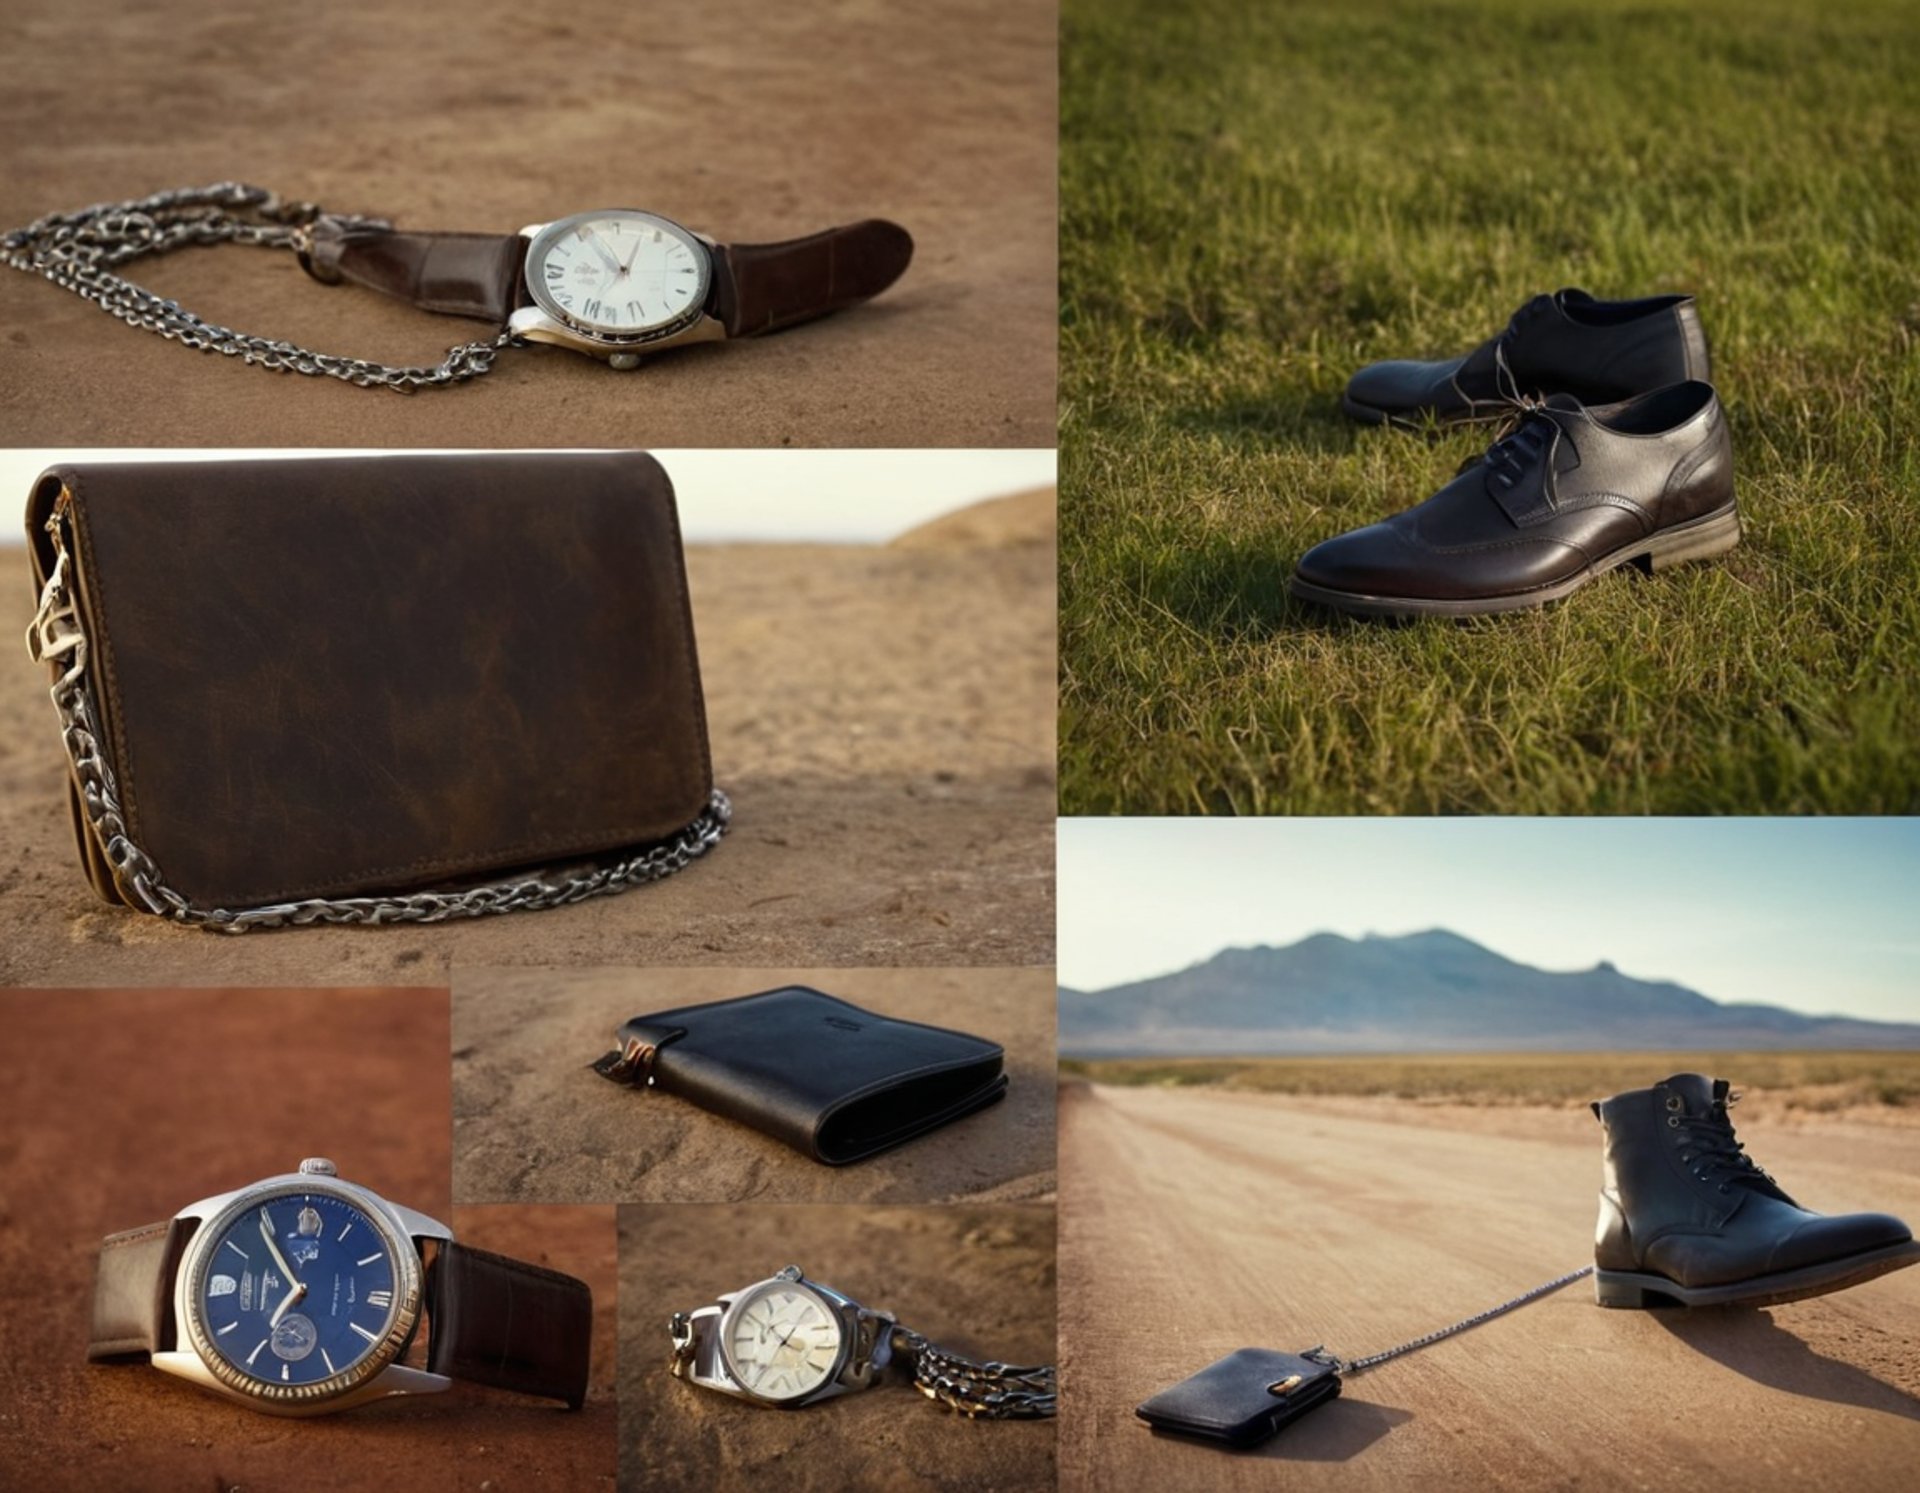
{"x": 833, "y": 1081}
{"x": 1244, "y": 1398}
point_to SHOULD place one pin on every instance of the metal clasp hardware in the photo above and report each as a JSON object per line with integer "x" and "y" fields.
{"x": 632, "y": 1063}
{"x": 1285, "y": 1386}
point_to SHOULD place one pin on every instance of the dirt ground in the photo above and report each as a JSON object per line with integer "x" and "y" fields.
{"x": 979, "y": 1280}
{"x": 211, "y": 1090}
{"x": 748, "y": 122}
{"x": 882, "y": 715}
{"x": 1255, "y": 1220}
{"x": 533, "y": 1123}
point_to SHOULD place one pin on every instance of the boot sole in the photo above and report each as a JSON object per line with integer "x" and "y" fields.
{"x": 1703, "y": 538}
{"x": 1637, "y": 1290}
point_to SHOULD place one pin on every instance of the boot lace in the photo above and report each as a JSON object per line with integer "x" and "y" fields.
{"x": 1710, "y": 1150}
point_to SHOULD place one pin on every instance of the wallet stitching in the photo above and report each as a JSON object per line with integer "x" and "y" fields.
{"x": 343, "y": 883}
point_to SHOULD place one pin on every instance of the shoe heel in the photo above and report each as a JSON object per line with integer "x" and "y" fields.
{"x": 1613, "y": 1289}
{"x": 1703, "y": 539}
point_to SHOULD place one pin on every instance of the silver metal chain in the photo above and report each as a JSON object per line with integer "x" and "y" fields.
{"x": 979, "y": 1391}
{"x": 82, "y": 252}
{"x": 57, "y": 636}
{"x": 1351, "y": 1366}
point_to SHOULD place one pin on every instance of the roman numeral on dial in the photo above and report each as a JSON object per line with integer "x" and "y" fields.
{"x": 382, "y": 1299}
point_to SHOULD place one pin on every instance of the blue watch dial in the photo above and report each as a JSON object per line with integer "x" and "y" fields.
{"x": 299, "y": 1288}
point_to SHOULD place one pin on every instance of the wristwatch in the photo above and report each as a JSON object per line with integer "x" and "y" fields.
{"x": 614, "y": 283}
{"x": 301, "y": 1294}
{"x": 788, "y": 1342}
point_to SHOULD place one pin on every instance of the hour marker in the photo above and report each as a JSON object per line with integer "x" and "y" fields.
{"x": 238, "y": 1250}
{"x": 633, "y": 309}
{"x": 328, "y": 1362}
{"x": 266, "y": 1223}
{"x": 286, "y": 1372}
{"x": 593, "y": 308}
{"x": 344, "y": 1232}
{"x": 227, "y": 1329}
{"x": 369, "y": 1336}
{"x": 380, "y": 1298}
{"x": 256, "y": 1350}
{"x": 553, "y": 272}
{"x": 368, "y": 1260}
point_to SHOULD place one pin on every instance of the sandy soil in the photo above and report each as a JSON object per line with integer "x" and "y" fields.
{"x": 359, "y": 1075}
{"x": 977, "y": 1279}
{"x": 882, "y": 715}
{"x": 533, "y": 1123}
{"x": 1194, "y": 1223}
{"x": 749, "y": 122}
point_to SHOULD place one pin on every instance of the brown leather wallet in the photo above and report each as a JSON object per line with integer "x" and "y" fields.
{"x": 307, "y": 690}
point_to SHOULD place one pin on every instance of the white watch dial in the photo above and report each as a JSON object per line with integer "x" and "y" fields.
{"x": 782, "y": 1342}
{"x": 621, "y": 274}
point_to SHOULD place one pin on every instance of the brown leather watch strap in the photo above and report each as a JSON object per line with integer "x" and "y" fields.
{"x": 508, "y": 1324}
{"x": 457, "y": 274}
{"x": 760, "y": 288}
{"x": 133, "y": 1290}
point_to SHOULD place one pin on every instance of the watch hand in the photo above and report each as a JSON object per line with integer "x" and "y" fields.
{"x": 299, "y": 1290}
{"x": 605, "y": 253}
{"x": 266, "y": 1233}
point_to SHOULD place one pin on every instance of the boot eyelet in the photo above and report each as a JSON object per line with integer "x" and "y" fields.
{"x": 1673, "y": 1122}
{"x": 1673, "y": 1101}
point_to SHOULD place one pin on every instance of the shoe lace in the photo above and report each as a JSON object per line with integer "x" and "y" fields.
{"x": 1712, "y": 1152}
{"x": 1507, "y": 390}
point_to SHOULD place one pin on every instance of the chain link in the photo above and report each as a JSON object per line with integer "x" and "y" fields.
{"x": 1351, "y": 1366}
{"x": 56, "y": 636}
{"x": 81, "y": 251}
{"x": 979, "y": 1391}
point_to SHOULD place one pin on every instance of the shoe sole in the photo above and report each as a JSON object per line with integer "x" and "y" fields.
{"x": 1368, "y": 414}
{"x": 1704, "y": 538}
{"x": 1636, "y": 1290}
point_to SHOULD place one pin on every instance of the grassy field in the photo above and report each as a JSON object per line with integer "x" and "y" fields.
{"x": 1816, "y": 1081}
{"x": 1257, "y": 199}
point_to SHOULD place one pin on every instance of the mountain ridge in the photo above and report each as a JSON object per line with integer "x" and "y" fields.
{"x": 1432, "y": 990}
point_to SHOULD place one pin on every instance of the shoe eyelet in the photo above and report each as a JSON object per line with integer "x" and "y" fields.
{"x": 1673, "y": 1123}
{"x": 1673, "y": 1101}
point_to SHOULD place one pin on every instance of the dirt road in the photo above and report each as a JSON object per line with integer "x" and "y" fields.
{"x": 1197, "y": 1222}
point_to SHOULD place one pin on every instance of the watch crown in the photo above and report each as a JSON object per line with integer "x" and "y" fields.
{"x": 318, "y": 1166}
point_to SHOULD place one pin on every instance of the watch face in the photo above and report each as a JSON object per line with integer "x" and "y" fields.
{"x": 618, "y": 275}
{"x": 781, "y": 1341}
{"x": 298, "y": 1294}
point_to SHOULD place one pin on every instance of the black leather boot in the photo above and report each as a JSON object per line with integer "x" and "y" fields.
{"x": 1565, "y": 343}
{"x": 1686, "y": 1218}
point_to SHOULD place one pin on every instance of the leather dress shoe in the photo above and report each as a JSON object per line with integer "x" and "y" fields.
{"x": 1567, "y": 343}
{"x": 1687, "y": 1218}
{"x": 1568, "y": 495}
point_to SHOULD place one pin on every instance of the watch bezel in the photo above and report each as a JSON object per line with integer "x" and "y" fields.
{"x": 536, "y": 284}
{"x": 403, "y": 1317}
{"x": 743, "y": 1299}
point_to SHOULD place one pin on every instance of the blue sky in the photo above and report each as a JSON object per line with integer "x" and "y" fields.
{"x": 1819, "y": 915}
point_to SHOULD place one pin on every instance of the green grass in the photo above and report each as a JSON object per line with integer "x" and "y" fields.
{"x": 1807, "y": 1081}
{"x": 1257, "y": 200}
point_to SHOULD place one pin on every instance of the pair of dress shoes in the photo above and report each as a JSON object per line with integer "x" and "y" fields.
{"x": 1614, "y": 451}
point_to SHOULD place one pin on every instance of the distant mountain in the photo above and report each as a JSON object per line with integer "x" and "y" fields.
{"x": 1433, "y": 991}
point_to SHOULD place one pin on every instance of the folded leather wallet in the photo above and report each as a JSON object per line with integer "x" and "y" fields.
{"x": 307, "y": 690}
{"x": 833, "y": 1081}
{"x": 1244, "y": 1398}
